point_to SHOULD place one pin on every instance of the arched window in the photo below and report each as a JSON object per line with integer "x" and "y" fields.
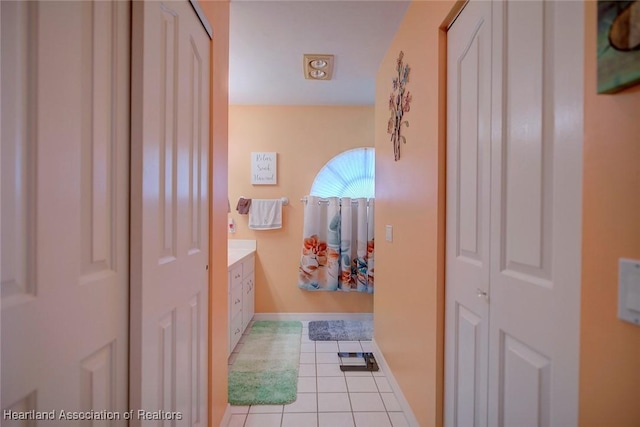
{"x": 349, "y": 174}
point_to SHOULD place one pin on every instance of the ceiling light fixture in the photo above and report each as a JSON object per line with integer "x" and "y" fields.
{"x": 317, "y": 74}
{"x": 318, "y": 66}
{"x": 318, "y": 63}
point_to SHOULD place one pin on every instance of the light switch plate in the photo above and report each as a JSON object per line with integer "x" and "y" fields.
{"x": 629, "y": 291}
{"x": 388, "y": 233}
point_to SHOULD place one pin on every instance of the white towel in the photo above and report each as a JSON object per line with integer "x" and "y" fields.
{"x": 265, "y": 214}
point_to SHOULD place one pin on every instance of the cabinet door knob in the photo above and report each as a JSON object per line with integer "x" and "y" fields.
{"x": 482, "y": 294}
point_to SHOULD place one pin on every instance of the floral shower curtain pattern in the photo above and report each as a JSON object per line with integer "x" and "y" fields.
{"x": 337, "y": 245}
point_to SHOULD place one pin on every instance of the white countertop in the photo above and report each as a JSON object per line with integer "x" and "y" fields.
{"x": 238, "y": 249}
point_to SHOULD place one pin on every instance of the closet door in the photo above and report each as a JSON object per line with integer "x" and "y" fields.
{"x": 65, "y": 207}
{"x": 536, "y": 213}
{"x": 468, "y": 216}
{"x": 170, "y": 213}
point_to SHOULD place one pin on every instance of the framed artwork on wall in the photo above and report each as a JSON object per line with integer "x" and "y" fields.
{"x": 264, "y": 168}
{"x": 618, "y": 45}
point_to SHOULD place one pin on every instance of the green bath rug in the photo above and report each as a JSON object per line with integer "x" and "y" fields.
{"x": 266, "y": 369}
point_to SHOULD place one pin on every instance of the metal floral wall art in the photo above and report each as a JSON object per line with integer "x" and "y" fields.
{"x": 399, "y": 101}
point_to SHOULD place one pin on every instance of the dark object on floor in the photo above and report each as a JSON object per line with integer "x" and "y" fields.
{"x": 370, "y": 363}
{"x": 341, "y": 330}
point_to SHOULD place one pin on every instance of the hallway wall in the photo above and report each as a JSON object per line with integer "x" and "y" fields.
{"x": 409, "y": 298}
{"x": 610, "y": 348}
{"x": 305, "y": 138}
{"x": 217, "y": 12}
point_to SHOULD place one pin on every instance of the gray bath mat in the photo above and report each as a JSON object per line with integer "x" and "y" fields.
{"x": 340, "y": 330}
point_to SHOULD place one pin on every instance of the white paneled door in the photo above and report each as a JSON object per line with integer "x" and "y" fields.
{"x": 64, "y": 122}
{"x": 468, "y": 215}
{"x": 169, "y": 215}
{"x": 527, "y": 348}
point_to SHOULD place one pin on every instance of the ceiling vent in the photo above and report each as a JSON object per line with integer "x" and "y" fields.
{"x": 318, "y": 67}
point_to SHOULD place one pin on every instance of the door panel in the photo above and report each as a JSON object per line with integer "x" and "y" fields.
{"x": 527, "y": 165}
{"x": 65, "y": 172}
{"x": 170, "y": 221}
{"x": 526, "y": 388}
{"x": 536, "y": 175}
{"x": 468, "y": 180}
{"x": 468, "y": 366}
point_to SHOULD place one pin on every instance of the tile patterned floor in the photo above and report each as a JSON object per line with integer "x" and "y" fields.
{"x": 327, "y": 397}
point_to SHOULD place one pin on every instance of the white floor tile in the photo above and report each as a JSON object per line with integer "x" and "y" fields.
{"x": 372, "y": 419}
{"x": 307, "y": 347}
{"x": 237, "y": 420}
{"x": 305, "y": 323}
{"x": 334, "y": 402}
{"x": 300, "y": 420}
{"x": 378, "y": 373}
{"x": 332, "y": 385}
{"x": 350, "y": 346}
{"x": 390, "y": 402}
{"x": 366, "y": 402}
{"x": 307, "y": 370}
{"x": 328, "y": 370}
{"x": 265, "y": 409}
{"x": 306, "y": 384}
{"x": 326, "y": 346}
{"x": 398, "y": 419}
{"x": 239, "y": 409}
{"x": 361, "y": 384}
{"x": 263, "y": 420}
{"x": 327, "y": 358}
{"x": 366, "y": 346}
{"x": 335, "y": 419}
{"x": 326, "y": 395}
{"x": 383, "y": 385}
{"x": 307, "y": 358}
{"x": 306, "y": 402}
{"x": 358, "y": 374}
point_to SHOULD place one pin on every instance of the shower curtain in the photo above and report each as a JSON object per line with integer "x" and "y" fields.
{"x": 337, "y": 245}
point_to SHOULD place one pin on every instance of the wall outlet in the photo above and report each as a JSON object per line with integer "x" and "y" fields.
{"x": 232, "y": 225}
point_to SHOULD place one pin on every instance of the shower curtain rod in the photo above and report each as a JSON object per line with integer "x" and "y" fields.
{"x": 324, "y": 201}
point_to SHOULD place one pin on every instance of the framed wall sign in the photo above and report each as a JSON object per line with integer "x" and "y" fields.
{"x": 264, "y": 168}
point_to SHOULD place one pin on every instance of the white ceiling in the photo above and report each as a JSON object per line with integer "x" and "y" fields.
{"x": 268, "y": 39}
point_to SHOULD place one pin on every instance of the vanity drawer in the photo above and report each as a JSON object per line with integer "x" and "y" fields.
{"x": 236, "y": 276}
{"x": 248, "y": 266}
{"x": 236, "y": 300}
{"x": 235, "y": 331}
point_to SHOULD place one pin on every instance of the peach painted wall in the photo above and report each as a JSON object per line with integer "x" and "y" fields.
{"x": 409, "y": 298}
{"x": 217, "y": 13}
{"x": 610, "y": 348}
{"x": 305, "y": 138}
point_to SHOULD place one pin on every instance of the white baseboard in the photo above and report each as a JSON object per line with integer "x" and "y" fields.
{"x": 404, "y": 404}
{"x": 313, "y": 316}
{"x": 226, "y": 418}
